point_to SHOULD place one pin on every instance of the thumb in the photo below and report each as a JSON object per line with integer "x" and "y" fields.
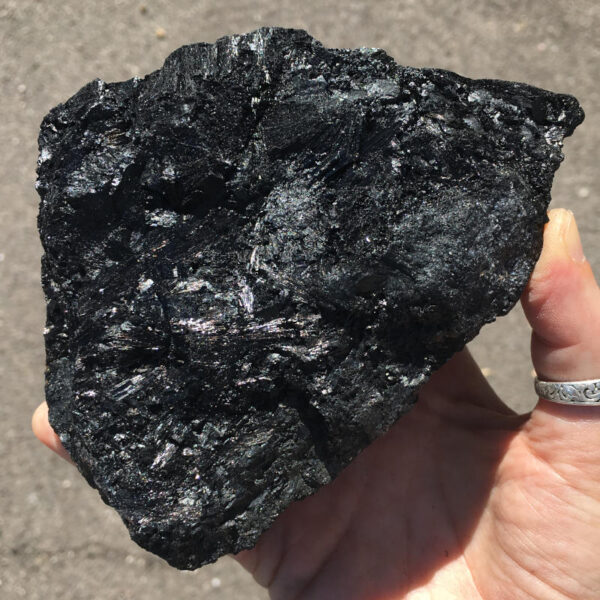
{"x": 562, "y": 304}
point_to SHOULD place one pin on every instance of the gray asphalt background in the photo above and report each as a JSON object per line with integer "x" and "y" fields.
{"x": 57, "y": 539}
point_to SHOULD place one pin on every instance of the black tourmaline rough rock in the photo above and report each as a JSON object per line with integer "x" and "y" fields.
{"x": 255, "y": 256}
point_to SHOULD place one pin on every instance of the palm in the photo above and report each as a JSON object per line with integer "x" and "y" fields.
{"x": 455, "y": 501}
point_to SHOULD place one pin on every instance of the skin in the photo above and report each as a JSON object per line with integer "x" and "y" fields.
{"x": 462, "y": 499}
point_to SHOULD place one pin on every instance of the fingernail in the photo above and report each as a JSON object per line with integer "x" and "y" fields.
{"x": 571, "y": 238}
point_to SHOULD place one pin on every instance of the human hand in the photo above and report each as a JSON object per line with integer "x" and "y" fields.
{"x": 462, "y": 498}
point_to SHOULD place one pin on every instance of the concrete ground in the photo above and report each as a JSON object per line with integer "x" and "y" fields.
{"x": 57, "y": 539}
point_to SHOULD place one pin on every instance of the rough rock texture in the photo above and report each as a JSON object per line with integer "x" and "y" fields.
{"x": 256, "y": 255}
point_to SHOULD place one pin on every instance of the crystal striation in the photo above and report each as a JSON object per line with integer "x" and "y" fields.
{"x": 255, "y": 256}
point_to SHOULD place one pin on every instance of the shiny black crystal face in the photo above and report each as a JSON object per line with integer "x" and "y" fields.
{"x": 256, "y": 255}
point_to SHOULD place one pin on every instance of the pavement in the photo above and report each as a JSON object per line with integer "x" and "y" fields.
{"x": 57, "y": 539}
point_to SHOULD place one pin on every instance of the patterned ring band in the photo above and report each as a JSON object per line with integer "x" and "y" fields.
{"x": 575, "y": 393}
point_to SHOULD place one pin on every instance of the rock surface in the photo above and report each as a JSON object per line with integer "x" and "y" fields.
{"x": 256, "y": 255}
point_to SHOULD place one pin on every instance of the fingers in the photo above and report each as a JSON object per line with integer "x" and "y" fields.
{"x": 44, "y": 432}
{"x": 562, "y": 304}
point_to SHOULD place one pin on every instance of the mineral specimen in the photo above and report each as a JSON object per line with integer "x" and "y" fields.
{"x": 255, "y": 256}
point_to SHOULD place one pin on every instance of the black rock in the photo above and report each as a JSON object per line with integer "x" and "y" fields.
{"x": 257, "y": 254}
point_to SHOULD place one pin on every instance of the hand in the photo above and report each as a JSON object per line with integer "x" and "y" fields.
{"x": 462, "y": 499}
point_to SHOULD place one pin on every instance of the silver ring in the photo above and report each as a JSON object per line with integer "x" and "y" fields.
{"x": 575, "y": 393}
